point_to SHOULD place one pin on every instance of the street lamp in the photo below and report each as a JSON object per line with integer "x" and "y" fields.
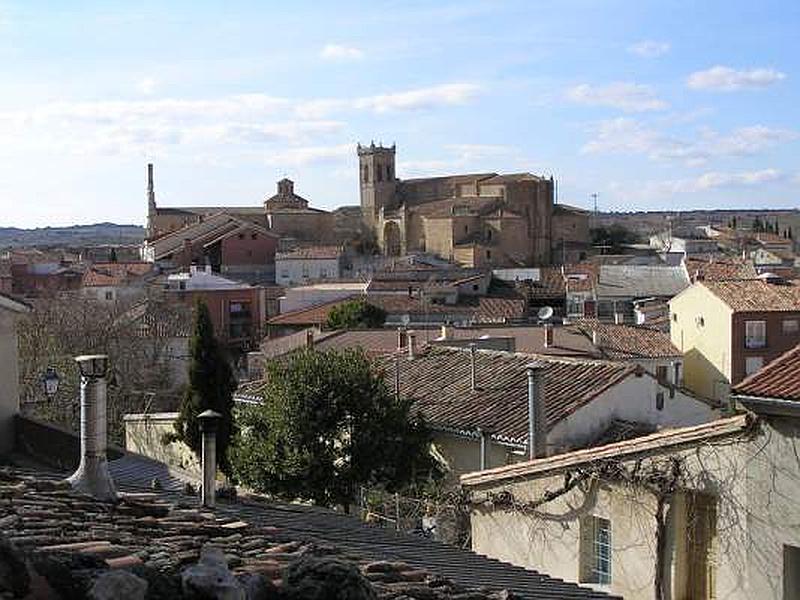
{"x": 50, "y": 380}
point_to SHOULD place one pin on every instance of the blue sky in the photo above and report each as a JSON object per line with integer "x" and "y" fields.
{"x": 650, "y": 105}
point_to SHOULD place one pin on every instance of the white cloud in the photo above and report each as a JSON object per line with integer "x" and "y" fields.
{"x": 448, "y": 94}
{"x": 629, "y": 136}
{"x": 626, "y": 96}
{"x": 726, "y": 79}
{"x": 337, "y": 52}
{"x": 649, "y": 48}
{"x": 147, "y": 86}
{"x": 713, "y": 180}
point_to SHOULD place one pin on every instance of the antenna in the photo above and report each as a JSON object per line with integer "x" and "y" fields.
{"x": 545, "y": 313}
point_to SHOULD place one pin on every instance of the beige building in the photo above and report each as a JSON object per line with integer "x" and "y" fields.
{"x": 284, "y": 214}
{"x": 696, "y": 513}
{"x": 477, "y": 220}
{"x": 729, "y": 329}
{"x": 10, "y": 311}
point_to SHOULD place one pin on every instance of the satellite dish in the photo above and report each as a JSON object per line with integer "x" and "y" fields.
{"x": 545, "y": 313}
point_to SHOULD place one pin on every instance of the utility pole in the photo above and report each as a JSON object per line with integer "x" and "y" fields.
{"x": 594, "y": 212}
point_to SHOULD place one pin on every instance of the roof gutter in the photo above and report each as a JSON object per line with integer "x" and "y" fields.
{"x": 770, "y": 406}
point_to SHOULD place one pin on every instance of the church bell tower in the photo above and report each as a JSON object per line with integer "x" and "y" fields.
{"x": 377, "y": 180}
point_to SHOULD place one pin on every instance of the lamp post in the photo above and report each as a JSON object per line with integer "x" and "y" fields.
{"x": 92, "y": 476}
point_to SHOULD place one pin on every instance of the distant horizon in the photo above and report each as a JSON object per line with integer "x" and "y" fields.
{"x": 637, "y": 103}
{"x": 600, "y": 212}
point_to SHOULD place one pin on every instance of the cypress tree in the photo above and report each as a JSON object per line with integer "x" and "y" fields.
{"x": 211, "y": 386}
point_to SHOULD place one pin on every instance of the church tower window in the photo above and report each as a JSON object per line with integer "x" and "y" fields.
{"x": 366, "y": 173}
{"x": 379, "y": 172}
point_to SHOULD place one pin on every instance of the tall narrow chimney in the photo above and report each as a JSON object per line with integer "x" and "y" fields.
{"x": 548, "y": 335}
{"x": 209, "y": 423}
{"x": 402, "y": 339}
{"x": 536, "y": 425}
{"x": 473, "y": 367}
{"x": 92, "y": 476}
{"x": 486, "y": 440}
{"x": 412, "y": 345}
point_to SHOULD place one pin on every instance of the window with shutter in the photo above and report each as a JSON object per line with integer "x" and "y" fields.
{"x": 595, "y": 550}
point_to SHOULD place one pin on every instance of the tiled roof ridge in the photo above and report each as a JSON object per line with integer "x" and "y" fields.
{"x": 749, "y": 385}
{"x": 661, "y": 440}
{"x": 572, "y": 360}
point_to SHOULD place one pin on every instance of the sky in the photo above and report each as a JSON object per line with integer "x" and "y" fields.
{"x": 650, "y": 105}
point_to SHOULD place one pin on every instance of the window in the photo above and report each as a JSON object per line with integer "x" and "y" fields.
{"x": 285, "y": 273}
{"x": 701, "y": 561}
{"x": 323, "y": 273}
{"x": 755, "y": 334}
{"x": 240, "y": 320}
{"x": 753, "y": 364}
{"x": 659, "y": 400}
{"x": 109, "y": 295}
{"x": 488, "y": 255}
{"x": 790, "y": 326}
{"x": 595, "y": 550}
{"x": 661, "y": 373}
{"x": 791, "y": 572}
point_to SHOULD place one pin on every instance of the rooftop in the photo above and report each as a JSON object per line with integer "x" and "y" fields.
{"x": 666, "y": 440}
{"x": 115, "y": 274}
{"x": 438, "y": 378}
{"x": 311, "y": 252}
{"x": 625, "y": 342}
{"x": 779, "y": 379}
{"x": 165, "y": 529}
{"x": 640, "y": 281}
{"x": 717, "y": 269}
{"x": 756, "y": 295}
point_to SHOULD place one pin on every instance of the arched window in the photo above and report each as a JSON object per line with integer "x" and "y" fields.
{"x": 379, "y": 172}
{"x": 366, "y": 173}
{"x": 388, "y": 172}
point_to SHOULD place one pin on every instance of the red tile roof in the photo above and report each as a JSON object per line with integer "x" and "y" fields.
{"x": 625, "y": 342}
{"x": 313, "y": 315}
{"x": 756, "y": 295}
{"x": 438, "y": 378}
{"x": 779, "y": 379}
{"x": 115, "y": 274}
{"x": 717, "y": 269}
{"x": 311, "y": 253}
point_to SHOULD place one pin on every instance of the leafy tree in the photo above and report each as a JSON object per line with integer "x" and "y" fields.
{"x": 356, "y": 314}
{"x": 329, "y": 424}
{"x": 211, "y": 386}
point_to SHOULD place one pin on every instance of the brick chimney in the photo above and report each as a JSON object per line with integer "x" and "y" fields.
{"x": 92, "y": 476}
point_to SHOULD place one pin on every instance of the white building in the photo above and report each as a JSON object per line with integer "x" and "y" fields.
{"x": 303, "y": 265}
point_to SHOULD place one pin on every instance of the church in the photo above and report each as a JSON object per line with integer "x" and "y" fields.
{"x": 285, "y": 215}
{"x": 476, "y": 220}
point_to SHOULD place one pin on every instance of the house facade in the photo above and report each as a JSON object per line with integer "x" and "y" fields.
{"x": 10, "y": 311}
{"x": 698, "y": 512}
{"x": 728, "y": 330}
{"x": 303, "y": 265}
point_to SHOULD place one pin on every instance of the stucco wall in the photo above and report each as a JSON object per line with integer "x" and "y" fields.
{"x": 463, "y": 455}
{"x": 634, "y": 399}
{"x": 9, "y": 378}
{"x": 295, "y": 271}
{"x": 144, "y": 434}
{"x": 706, "y": 344}
{"x": 755, "y": 482}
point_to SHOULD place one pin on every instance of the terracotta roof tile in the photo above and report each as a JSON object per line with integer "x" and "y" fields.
{"x": 438, "y": 378}
{"x": 756, "y": 295}
{"x": 115, "y": 274}
{"x": 779, "y": 379}
{"x": 311, "y": 253}
{"x": 624, "y": 342}
{"x": 717, "y": 269}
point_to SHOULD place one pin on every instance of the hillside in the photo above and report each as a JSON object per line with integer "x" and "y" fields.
{"x": 75, "y": 235}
